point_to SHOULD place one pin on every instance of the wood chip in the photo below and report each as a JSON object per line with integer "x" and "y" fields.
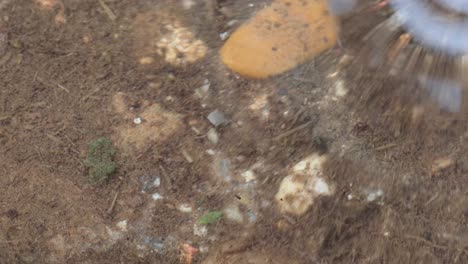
{"x": 442, "y": 164}
{"x": 111, "y": 208}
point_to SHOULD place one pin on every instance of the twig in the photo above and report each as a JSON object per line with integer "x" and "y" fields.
{"x": 425, "y": 241}
{"x": 47, "y": 84}
{"x": 292, "y": 131}
{"x": 63, "y": 88}
{"x": 385, "y": 147}
{"x": 107, "y": 10}
{"x": 111, "y": 208}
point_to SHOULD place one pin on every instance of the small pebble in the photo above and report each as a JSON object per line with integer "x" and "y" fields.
{"x": 146, "y": 60}
{"x": 212, "y": 136}
{"x": 234, "y": 214}
{"x": 216, "y": 118}
{"x": 251, "y": 216}
{"x": 321, "y": 187}
{"x": 374, "y": 195}
{"x": 350, "y": 197}
{"x": 231, "y": 23}
{"x": 156, "y": 196}
{"x": 224, "y": 35}
{"x": 122, "y": 225}
{"x": 185, "y": 208}
{"x": 249, "y": 176}
{"x": 210, "y": 152}
{"x": 137, "y": 121}
{"x": 157, "y": 182}
{"x": 204, "y": 249}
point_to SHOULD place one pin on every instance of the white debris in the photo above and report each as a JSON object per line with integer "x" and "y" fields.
{"x": 137, "y": 120}
{"x": 293, "y": 197}
{"x": 374, "y": 195}
{"x": 249, "y": 176}
{"x": 311, "y": 165}
{"x": 340, "y": 89}
{"x": 122, "y": 225}
{"x": 200, "y": 230}
{"x": 210, "y": 152}
{"x": 157, "y": 182}
{"x": 113, "y": 236}
{"x": 333, "y": 74}
{"x": 298, "y": 190}
{"x": 386, "y": 234}
{"x": 187, "y": 4}
{"x": 321, "y": 187}
{"x": 156, "y": 196}
{"x": 350, "y": 197}
{"x": 224, "y": 35}
{"x": 203, "y": 249}
{"x": 185, "y": 208}
{"x": 234, "y": 214}
{"x": 231, "y": 23}
{"x": 179, "y": 45}
{"x": 212, "y": 136}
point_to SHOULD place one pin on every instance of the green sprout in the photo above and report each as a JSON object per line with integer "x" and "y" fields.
{"x": 99, "y": 160}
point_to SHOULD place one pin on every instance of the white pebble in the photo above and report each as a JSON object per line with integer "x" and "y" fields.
{"x": 350, "y": 197}
{"x": 185, "y": 208}
{"x": 137, "y": 121}
{"x": 374, "y": 195}
{"x": 231, "y": 23}
{"x": 156, "y": 196}
{"x": 212, "y": 136}
{"x": 122, "y": 225}
{"x": 157, "y": 182}
{"x": 321, "y": 187}
{"x": 210, "y": 152}
{"x": 200, "y": 230}
{"x": 203, "y": 249}
{"x": 187, "y": 4}
{"x": 249, "y": 176}
{"x": 224, "y": 35}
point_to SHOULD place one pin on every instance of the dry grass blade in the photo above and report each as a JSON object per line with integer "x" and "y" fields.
{"x": 107, "y": 10}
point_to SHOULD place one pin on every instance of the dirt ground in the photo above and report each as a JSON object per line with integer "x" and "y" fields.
{"x": 147, "y": 74}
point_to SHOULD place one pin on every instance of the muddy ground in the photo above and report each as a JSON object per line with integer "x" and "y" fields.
{"x": 73, "y": 72}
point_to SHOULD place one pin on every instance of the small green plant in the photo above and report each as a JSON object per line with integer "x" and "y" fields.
{"x": 210, "y": 218}
{"x": 99, "y": 160}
